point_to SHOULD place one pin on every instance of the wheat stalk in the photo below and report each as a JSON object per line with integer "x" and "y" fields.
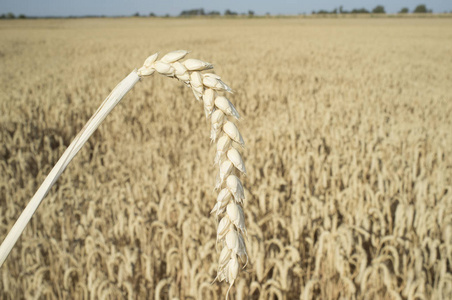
{"x": 104, "y": 109}
{"x": 207, "y": 88}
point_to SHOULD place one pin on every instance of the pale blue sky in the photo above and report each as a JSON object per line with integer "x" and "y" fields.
{"x": 174, "y": 7}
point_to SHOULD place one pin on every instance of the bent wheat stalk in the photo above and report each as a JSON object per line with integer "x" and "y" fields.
{"x": 105, "y": 108}
{"x": 207, "y": 87}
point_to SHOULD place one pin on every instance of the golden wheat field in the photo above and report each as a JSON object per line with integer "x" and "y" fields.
{"x": 348, "y": 131}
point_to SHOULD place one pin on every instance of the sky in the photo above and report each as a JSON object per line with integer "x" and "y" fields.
{"x": 174, "y": 7}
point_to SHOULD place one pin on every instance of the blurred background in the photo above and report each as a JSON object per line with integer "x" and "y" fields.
{"x": 346, "y": 117}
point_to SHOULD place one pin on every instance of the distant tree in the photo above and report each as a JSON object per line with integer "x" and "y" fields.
{"x": 342, "y": 11}
{"x": 151, "y": 14}
{"x": 136, "y": 14}
{"x": 420, "y": 9}
{"x": 404, "y": 10}
{"x": 360, "y": 11}
{"x": 379, "y": 9}
{"x": 193, "y": 12}
{"x": 22, "y": 16}
{"x": 166, "y": 16}
{"x": 250, "y": 13}
{"x": 214, "y": 13}
{"x": 229, "y": 13}
{"x": 10, "y": 16}
{"x": 325, "y": 12}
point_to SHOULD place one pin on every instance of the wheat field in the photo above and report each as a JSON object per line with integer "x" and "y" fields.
{"x": 347, "y": 124}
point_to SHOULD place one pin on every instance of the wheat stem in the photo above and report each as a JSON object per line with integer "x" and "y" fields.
{"x": 104, "y": 109}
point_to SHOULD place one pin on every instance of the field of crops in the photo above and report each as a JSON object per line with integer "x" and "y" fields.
{"x": 348, "y": 131}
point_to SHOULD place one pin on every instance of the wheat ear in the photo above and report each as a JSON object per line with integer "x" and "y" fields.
{"x": 208, "y": 88}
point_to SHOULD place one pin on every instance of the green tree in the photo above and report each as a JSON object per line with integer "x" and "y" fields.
{"x": 360, "y": 11}
{"x": 404, "y": 10}
{"x": 420, "y": 9}
{"x": 193, "y": 12}
{"x": 229, "y": 13}
{"x": 379, "y": 9}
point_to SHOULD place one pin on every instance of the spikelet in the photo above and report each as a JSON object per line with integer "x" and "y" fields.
{"x": 235, "y": 187}
{"x": 235, "y": 214}
{"x": 223, "y": 228}
{"x": 164, "y": 68}
{"x": 225, "y": 169}
{"x": 235, "y": 157}
{"x": 223, "y": 199}
{"x": 145, "y": 71}
{"x": 197, "y": 65}
{"x": 233, "y": 132}
{"x": 174, "y": 56}
{"x": 223, "y": 144}
{"x": 206, "y": 88}
{"x": 196, "y": 85}
{"x": 208, "y": 99}
{"x": 181, "y": 72}
{"x": 225, "y": 256}
{"x": 214, "y": 81}
{"x": 150, "y": 60}
{"x": 217, "y": 120}
{"x": 226, "y": 106}
{"x": 232, "y": 240}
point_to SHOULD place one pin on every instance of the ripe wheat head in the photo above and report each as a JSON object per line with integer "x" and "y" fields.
{"x": 208, "y": 88}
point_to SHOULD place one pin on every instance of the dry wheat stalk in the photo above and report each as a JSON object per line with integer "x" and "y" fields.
{"x": 105, "y": 108}
{"x": 207, "y": 88}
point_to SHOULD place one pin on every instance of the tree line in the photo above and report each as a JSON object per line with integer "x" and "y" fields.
{"x": 201, "y": 12}
{"x": 379, "y": 9}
